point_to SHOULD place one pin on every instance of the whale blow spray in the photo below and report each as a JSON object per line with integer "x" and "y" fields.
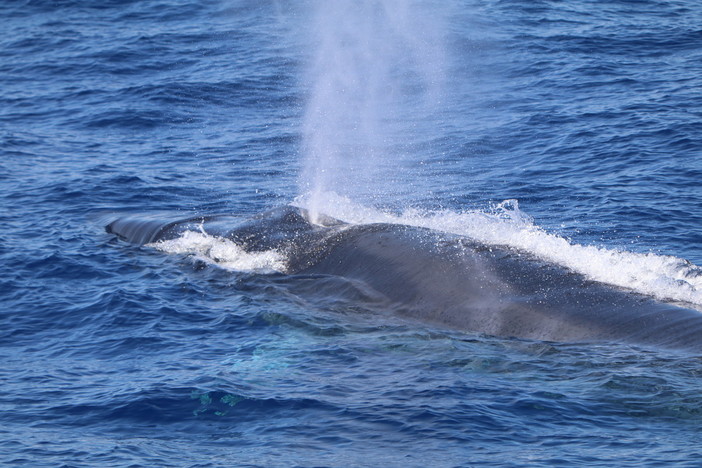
{"x": 375, "y": 80}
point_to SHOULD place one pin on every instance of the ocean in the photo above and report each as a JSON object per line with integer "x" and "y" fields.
{"x": 569, "y": 132}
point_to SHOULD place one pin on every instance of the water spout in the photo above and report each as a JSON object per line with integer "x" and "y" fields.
{"x": 376, "y": 73}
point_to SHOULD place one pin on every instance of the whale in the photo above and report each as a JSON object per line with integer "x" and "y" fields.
{"x": 444, "y": 280}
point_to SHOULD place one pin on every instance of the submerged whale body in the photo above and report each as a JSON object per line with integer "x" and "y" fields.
{"x": 447, "y": 280}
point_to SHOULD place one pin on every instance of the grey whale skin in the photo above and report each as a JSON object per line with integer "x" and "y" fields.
{"x": 447, "y": 280}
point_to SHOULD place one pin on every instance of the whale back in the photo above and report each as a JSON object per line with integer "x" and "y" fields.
{"x": 447, "y": 280}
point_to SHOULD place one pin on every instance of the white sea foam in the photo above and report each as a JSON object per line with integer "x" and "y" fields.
{"x": 223, "y": 253}
{"x": 662, "y": 276}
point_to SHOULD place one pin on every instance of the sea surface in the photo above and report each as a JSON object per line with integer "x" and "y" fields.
{"x": 571, "y": 131}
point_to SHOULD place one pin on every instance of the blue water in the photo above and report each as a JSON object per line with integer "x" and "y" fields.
{"x": 587, "y": 113}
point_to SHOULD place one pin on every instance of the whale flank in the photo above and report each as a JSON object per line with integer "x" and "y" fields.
{"x": 438, "y": 278}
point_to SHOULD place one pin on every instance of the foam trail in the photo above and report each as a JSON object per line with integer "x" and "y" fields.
{"x": 661, "y": 276}
{"x": 377, "y": 70}
{"x": 222, "y": 252}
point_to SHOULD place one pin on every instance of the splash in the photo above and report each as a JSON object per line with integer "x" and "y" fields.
{"x": 662, "y": 276}
{"x": 376, "y": 78}
{"x": 222, "y": 252}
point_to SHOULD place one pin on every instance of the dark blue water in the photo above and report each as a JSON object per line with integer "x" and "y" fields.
{"x": 588, "y": 113}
